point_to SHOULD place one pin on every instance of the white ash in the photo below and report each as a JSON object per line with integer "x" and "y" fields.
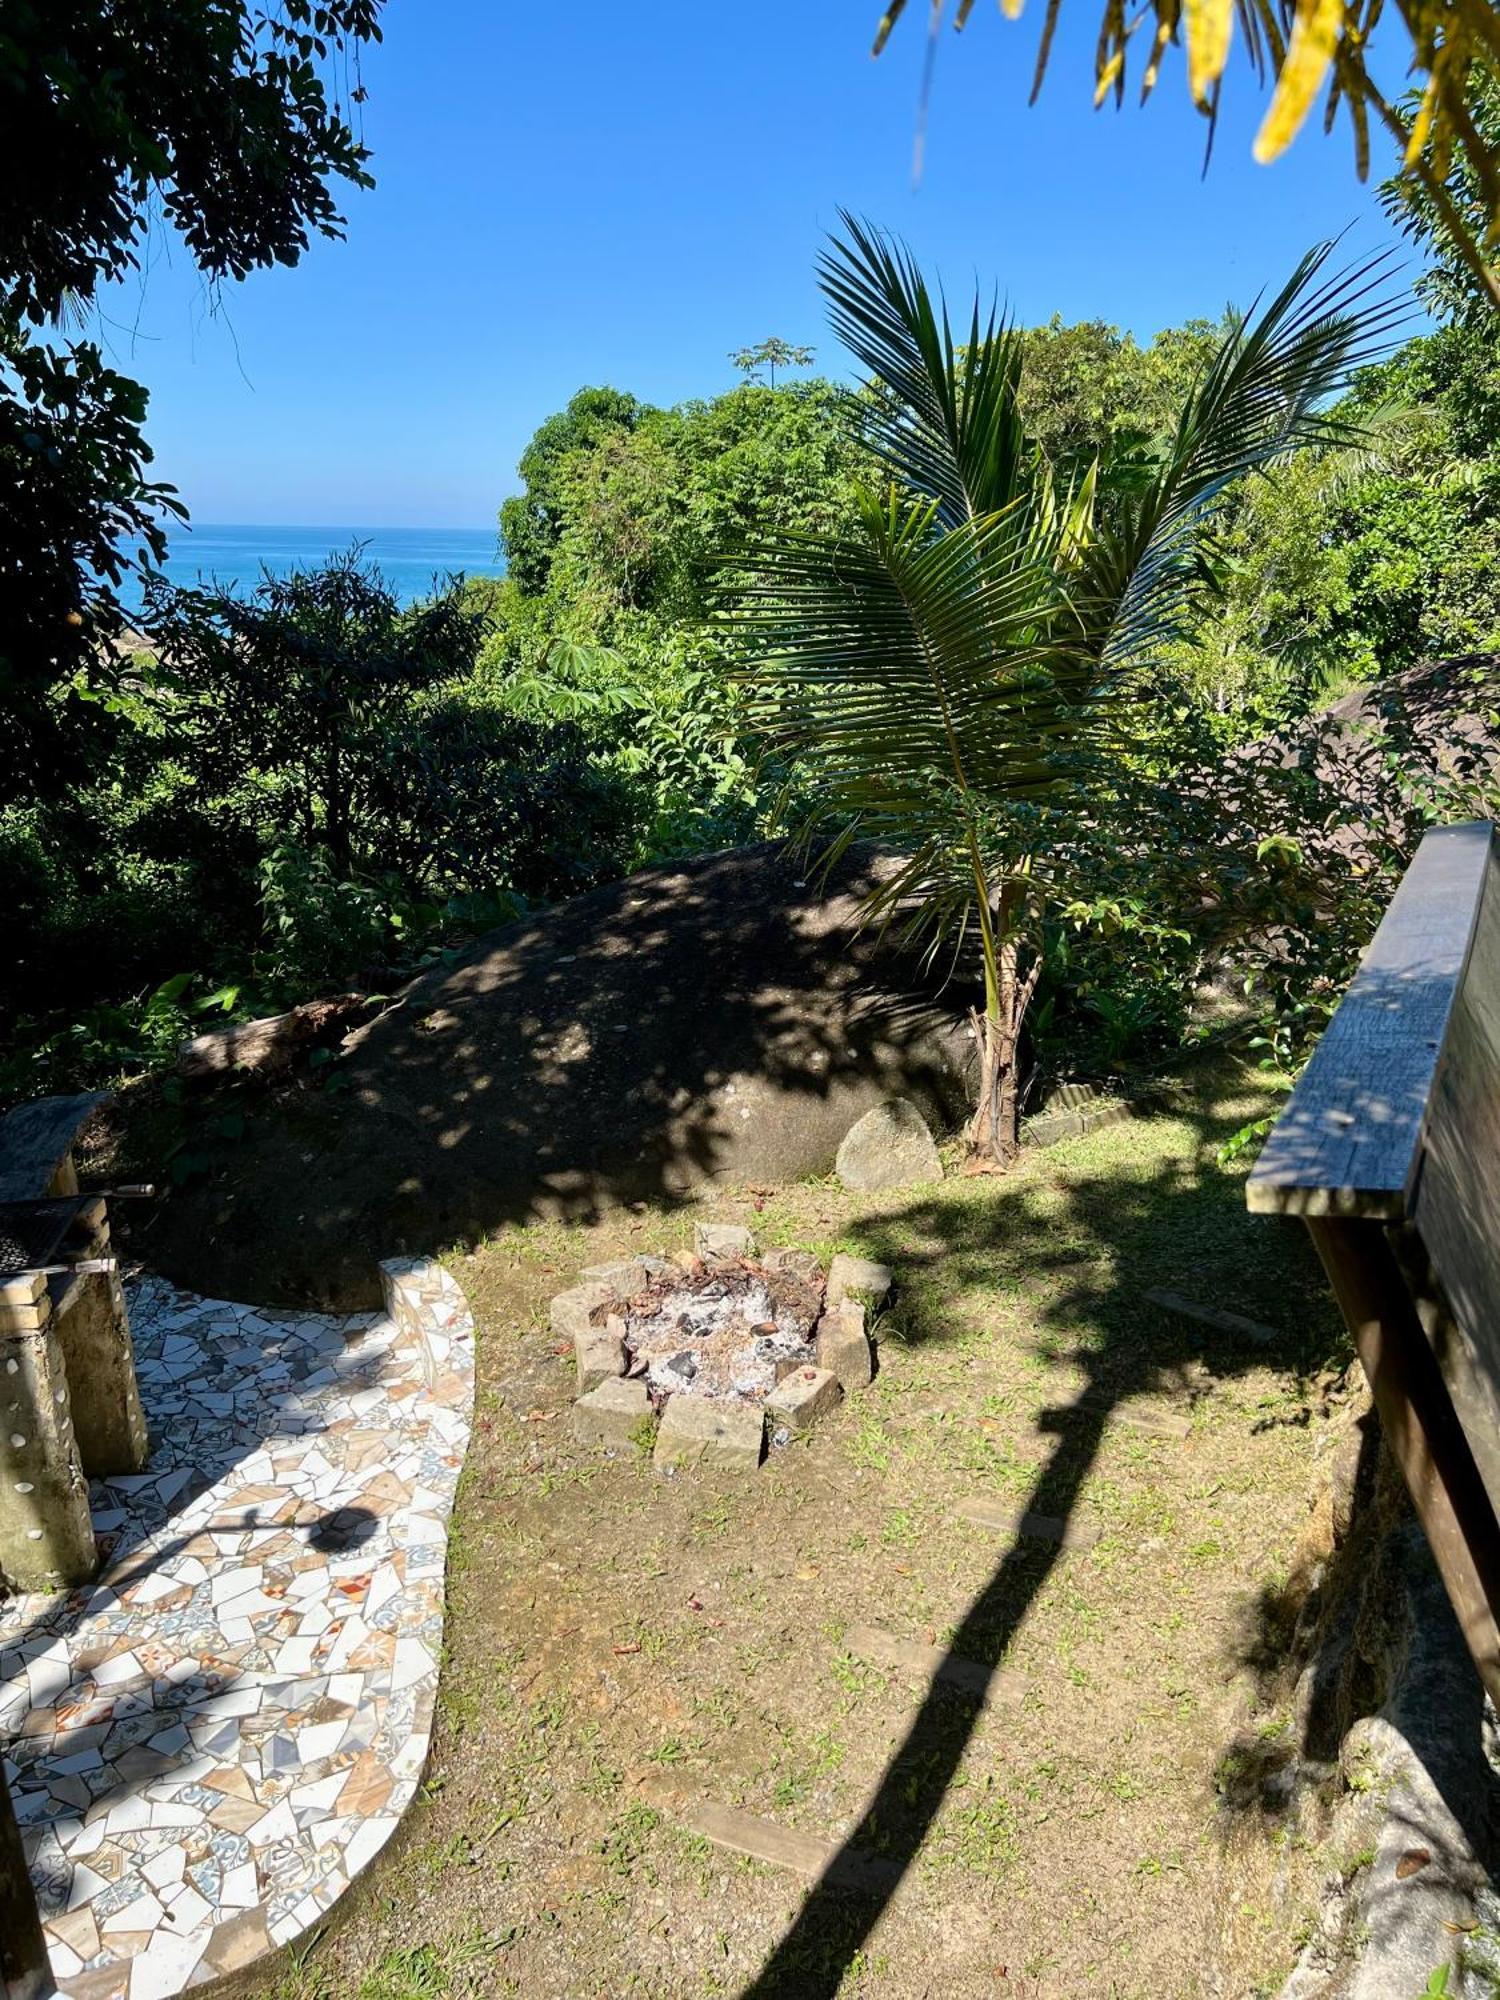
{"x": 729, "y": 1334}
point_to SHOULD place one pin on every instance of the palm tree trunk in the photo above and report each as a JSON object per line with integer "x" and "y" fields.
{"x": 995, "y": 1129}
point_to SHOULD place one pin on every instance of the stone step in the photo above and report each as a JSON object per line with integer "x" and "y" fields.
{"x": 1003, "y": 1517}
{"x": 810, "y": 1855}
{"x": 933, "y": 1664}
{"x": 1250, "y": 1330}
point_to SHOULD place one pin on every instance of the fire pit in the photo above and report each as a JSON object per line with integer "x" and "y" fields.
{"x": 716, "y": 1347}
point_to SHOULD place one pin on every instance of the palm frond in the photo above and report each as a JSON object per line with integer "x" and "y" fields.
{"x": 1264, "y": 395}
{"x": 943, "y": 418}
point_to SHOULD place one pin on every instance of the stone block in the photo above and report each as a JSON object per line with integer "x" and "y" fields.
{"x": 611, "y": 1414}
{"x": 889, "y": 1147}
{"x": 857, "y": 1278}
{"x": 804, "y": 1398}
{"x": 622, "y": 1279}
{"x": 844, "y": 1345}
{"x": 571, "y": 1312}
{"x": 722, "y": 1242}
{"x": 25, "y": 1304}
{"x": 694, "y": 1429}
{"x": 599, "y": 1352}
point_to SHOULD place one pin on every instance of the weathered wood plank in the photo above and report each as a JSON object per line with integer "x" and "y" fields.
{"x": 1097, "y": 1403}
{"x": 1002, "y": 1517}
{"x": 805, "y": 1854}
{"x": 1212, "y": 1316}
{"x": 1420, "y": 1426}
{"x": 1349, "y": 1140}
{"x": 933, "y": 1664}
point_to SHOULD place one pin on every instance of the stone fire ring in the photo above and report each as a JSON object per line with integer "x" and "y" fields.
{"x": 209, "y": 1742}
{"x": 735, "y": 1382}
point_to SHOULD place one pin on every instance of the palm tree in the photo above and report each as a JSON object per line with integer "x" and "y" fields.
{"x": 953, "y": 678}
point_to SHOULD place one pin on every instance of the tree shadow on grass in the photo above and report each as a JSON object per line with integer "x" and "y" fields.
{"x": 1108, "y": 1236}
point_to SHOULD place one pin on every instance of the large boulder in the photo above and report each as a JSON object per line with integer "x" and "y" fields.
{"x": 889, "y": 1147}
{"x": 712, "y": 1022}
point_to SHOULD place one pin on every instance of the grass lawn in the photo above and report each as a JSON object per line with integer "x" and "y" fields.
{"x": 624, "y": 1649}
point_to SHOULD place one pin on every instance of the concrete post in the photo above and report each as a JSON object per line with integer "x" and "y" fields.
{"x": 24, "y": 1971}
{"x": 46, "y": 1537}
{"x": 93, "y": 1330}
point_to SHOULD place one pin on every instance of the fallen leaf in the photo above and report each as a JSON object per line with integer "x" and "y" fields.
{"x": 807, "y": 1572}
{"x": 1412, "y": 1862}
{"x": 542, "y": 1416}
{"x": 620, "y": 1651}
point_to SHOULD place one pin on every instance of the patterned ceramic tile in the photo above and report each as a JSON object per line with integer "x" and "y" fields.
{"x": 207, "y": 1743}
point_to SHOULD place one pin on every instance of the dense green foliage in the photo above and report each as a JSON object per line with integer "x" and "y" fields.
{"x": 601, "y": 622}
{"x": 316, "y": 787}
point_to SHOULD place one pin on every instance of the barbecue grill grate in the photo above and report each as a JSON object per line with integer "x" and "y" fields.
{"x": 32, "y": 1232}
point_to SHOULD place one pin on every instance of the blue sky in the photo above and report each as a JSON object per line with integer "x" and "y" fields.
{"x": 598, "y": 193}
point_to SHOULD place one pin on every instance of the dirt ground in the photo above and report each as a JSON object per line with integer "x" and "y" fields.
{"x": 625, "y": 1648}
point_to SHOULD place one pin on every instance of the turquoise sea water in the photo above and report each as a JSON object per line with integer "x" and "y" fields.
{"x": 409, "y": 557}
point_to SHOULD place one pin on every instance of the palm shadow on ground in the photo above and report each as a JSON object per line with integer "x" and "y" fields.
{"x": 1184, "y": 1225}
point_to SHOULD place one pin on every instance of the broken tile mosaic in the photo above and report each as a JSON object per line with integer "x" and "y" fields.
{"x": 207, "y": 1742}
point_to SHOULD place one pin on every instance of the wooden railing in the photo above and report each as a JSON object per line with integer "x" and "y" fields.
{"x": 1389, "y": 1150}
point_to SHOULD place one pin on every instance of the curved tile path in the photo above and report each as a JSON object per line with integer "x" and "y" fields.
{"x": 209, "y": 1742}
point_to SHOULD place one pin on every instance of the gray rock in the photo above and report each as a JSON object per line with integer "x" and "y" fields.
{"x": 722, "y": 1242}
{"x": 889, "y": 1147}
{"x": 844, "y": 1345}
{"x": 599, "y": 1352}
{"x": 611, "y": 1414}
{"x": 1420, "y": 1786}
{"x": 803, "y": 1399}
{"x": 857, "y": 1278}
{"x": 694, "y": 1429}
{"x": 623, "y": 1279}
{"x": 571, "y": 1311}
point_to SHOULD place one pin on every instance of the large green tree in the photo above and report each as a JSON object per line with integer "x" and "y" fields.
{"x": 229, "y": 122}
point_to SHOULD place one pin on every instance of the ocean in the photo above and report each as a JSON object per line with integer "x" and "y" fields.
{"x": 410, "y": 558}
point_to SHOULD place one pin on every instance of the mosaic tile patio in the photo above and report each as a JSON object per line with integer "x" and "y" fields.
{"x": 208, "y": 1743}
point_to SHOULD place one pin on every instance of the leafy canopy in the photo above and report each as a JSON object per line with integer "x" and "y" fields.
{"x": 228, "y": 121}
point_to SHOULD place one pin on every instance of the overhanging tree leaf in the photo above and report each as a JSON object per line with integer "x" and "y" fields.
{"x": 1452, "y": 47}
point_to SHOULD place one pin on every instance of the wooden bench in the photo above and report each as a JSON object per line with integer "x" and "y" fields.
{"x": 1389, "y": 1149}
